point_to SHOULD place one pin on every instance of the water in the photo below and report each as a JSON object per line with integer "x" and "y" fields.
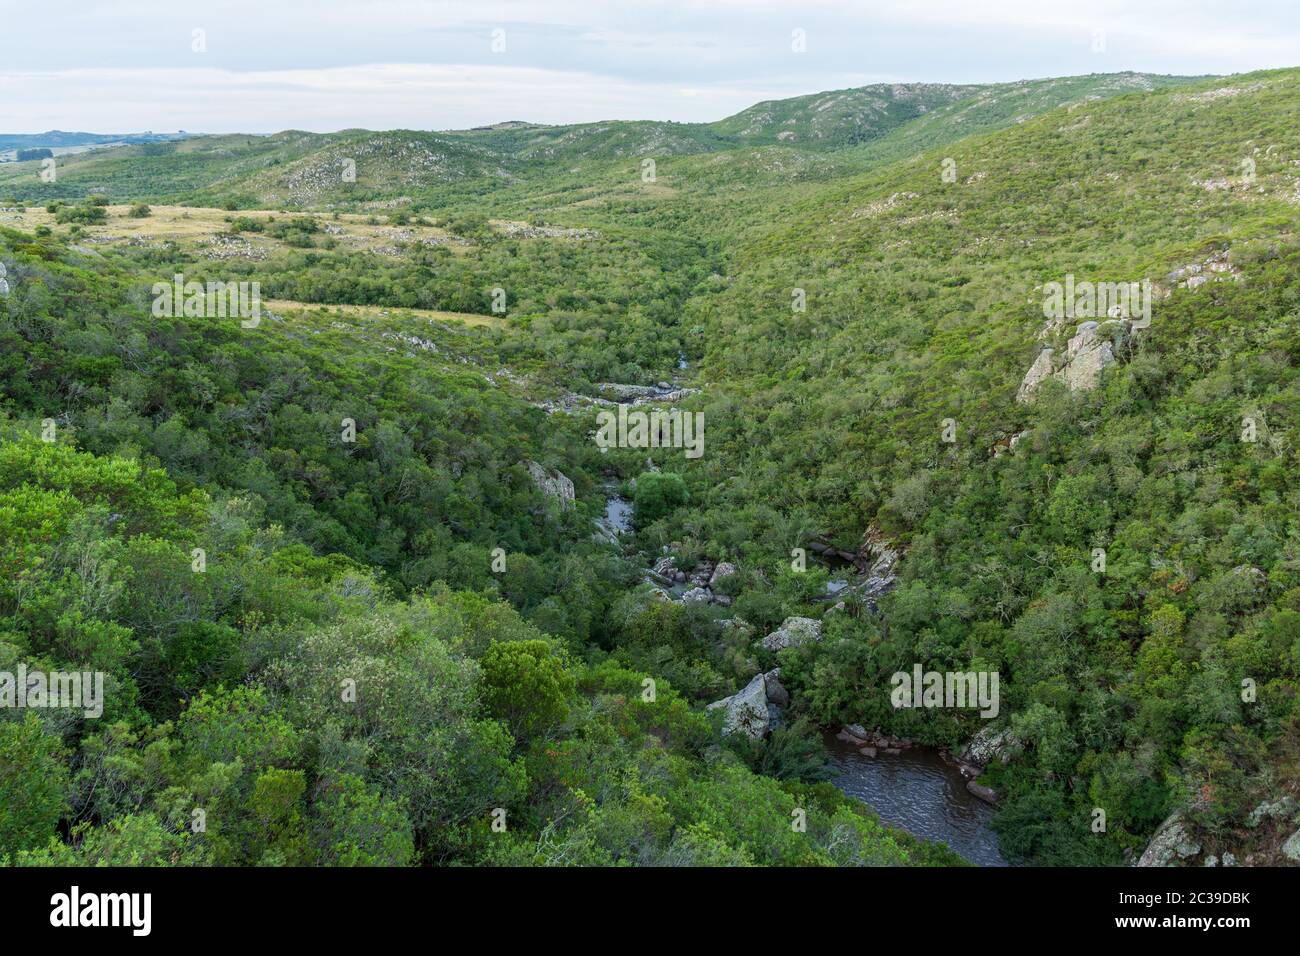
{"x": 618, "y": 514}
{"x": 920, "y": 793}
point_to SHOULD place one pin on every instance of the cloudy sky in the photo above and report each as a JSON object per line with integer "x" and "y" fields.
{"x": 321, "y": 65}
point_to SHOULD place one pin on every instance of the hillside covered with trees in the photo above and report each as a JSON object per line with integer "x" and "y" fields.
{"x": 347, "y": 569}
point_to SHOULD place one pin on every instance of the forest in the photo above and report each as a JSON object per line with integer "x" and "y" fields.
{"x": 342, "y": 620}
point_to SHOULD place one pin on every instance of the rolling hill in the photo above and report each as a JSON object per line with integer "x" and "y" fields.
{"x": 1098, "y": 509}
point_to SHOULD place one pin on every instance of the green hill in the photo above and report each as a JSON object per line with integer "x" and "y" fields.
{"x": 862, "y": 313}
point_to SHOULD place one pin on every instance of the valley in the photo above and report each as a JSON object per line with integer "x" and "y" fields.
{"x": 436, "y": 594}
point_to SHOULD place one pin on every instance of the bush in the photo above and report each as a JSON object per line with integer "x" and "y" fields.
{"x": 657, "y": 494}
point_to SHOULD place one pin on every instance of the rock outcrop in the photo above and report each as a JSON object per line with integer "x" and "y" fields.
{"x": 723, "y": 570}
{"x": 747, "y": 710}
{"x": 1280, "y": 809}
{"x": 1291, "y": 848}
{"x": 1088, "y": 354}
{"x": 1038, "y": 373}
{"x": 553, "y": 484}
{"x": 987, "y": 745}
{"x": 1090, "y": 351}
{"x": 793, "y": 632}
{"x": 1170, "y": 844}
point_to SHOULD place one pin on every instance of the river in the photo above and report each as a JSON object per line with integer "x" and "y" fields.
{"x": 920, "y": 793}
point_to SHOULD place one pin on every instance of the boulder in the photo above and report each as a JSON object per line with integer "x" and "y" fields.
{"x": 987, "y": 794}
{"x": 988, "y": 744}
{"x": 1088, "y": 355}
{"x": 1169, "y": 844}
{"x": 867, "y": 751}
{"x": 793, "y": 632}
{"x": 1039, "y": 372}
{"x": 746, "y": 711}
{"x": 1291, "y": 848}
{"x": 553, "y": 484}
{"x": 776, "y": 692}
{"x": 696, "y": 596}
{"x": 723, "y": 570}
{"x": 666, "y": 567}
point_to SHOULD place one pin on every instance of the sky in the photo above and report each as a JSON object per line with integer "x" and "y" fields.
{"x": 260, "y": 66}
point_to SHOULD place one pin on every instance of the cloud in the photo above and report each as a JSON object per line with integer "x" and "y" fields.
{"x": 328, "y": 64}
{"x": 375, "y": 96}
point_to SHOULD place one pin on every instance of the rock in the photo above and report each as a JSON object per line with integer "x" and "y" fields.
{"x": 679, "y": 577}
{"x": 776, "y": 692}
{"x": 1291, "y": 848}
{"x": 666, "y": 567}
{"x": 1229, "y": 860}
{"x": 857, "y": 730}
{"x": 722, "y": 599}
{"x": 1170, "y": 843}
{"x": 867, "y": 751}
{"x": 746, "y": 711}
{"x": 658, "y": 579}
{"x": 893, "y": 751}
{"x": 696, "y": 596}
{"x": 987, "y": 794}
{"x": 1039, "y": 372}
{"x": 553, "y": 484}
{"x": 988, "y": 744}
{"x": 723, "y": 570}
{"x": 1087, "y": 356}
{"x": 1280, "y": 808}
{"x": 774, "y": 719}
{"x": 1211, "y": 860}
{"x": 793, "y": 632}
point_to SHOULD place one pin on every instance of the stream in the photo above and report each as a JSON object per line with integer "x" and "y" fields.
{"x": 920, "y": 793}
{"x": 916, "y": 790}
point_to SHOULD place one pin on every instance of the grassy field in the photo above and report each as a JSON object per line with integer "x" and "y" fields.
{"x": 289, "y": 307}
{"x": 196, "y": 227}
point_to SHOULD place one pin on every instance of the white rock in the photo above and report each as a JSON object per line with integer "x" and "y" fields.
{"x": 553, "y": 484}
{"x": 746, "y": 711}
{"x": 793, "y": 632}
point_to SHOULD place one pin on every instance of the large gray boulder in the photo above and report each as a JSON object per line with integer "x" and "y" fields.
{"x": 793, "y": 632}
{"x": 746, "y": 711}
{"x": 553, "y": 484}
{"x": 776, "y": 692}
{"x": 696, "y": 596}
{"x": 1170, "y": 844}
{"x": 988, "y": 744}
{"x": 1087, "y": 356}
{"x": 1291, "y": 848}
{"x": 723, "y": 570}
{"x": 1039, "y": 372}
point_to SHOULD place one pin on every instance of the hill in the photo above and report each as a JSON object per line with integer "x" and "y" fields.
{"x": 870, "y": 319}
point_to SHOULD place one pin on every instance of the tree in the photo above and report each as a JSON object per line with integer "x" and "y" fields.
{"x": 33, "y": 784}
{"x": 526, "y": 686}
{"x": 657, "y": 494}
